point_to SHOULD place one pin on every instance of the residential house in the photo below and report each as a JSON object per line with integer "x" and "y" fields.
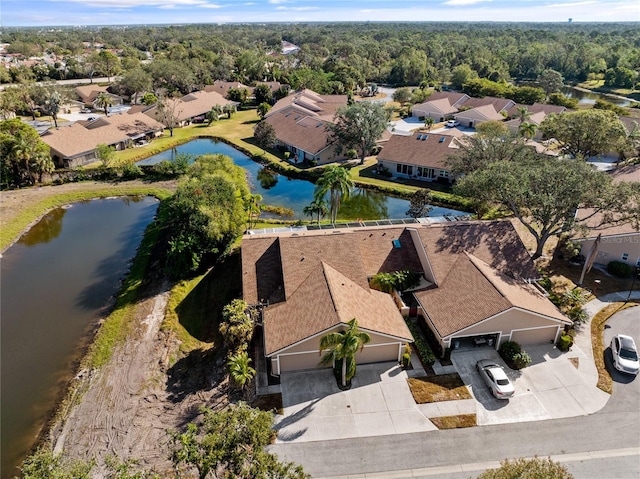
{"x": 618, "y": 242}
{"x": 89, "y": 93}
{"x": 223, "y": 87}
{"x": 75, "y": 145}
{"x": 300, "y": 123}
{"x": 421, "y": 156}
{"x": 194, "y": 106}
{"x": 477, "y": 285}
{"x": 440, "y": 106}
{"x": 476, "y": 111}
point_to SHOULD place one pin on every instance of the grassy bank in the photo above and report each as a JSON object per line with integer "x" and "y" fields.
{"x": 14, "y": 227}
{"x": 597, "y": 330}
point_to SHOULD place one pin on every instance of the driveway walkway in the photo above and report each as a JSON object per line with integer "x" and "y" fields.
{"x": 378, "y": 403}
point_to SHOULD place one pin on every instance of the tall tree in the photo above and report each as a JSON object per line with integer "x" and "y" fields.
{"x": 543, "y": 193}
{"x": 230, "y": 443}
{"x": 23, "y": 155}
{"x": 317, "y": 207}
{"x": 550, "y": 81}
{"x": 107, "y": 63}
{"x": 53, "y": 103}
{"x": 336, "y": 181}
{"x": 527, "y": 130}
{"x": 103, "y": 101}
{"x": 262, "y": 94}
{"x": 169, "y": 113}
{"x": 585, "y": 133}
{"x": 236, "y": 326}
{"x": 253, "y": 204}
{"x": 359, "y": 126}
{"x": 134, "y": 82}
{"x": 342, "y": 347}
{"x": 264, "y": 135}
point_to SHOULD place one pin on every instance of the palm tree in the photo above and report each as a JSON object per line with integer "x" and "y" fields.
{"x": 342, "y": 346}
{"x": 214, "y": 114}
{"x": 523, "y": 114}
{"x": 254, "y": 208}
{"x": 527, "y": 130}
{"x": 103, "y": 101}
{"x": 240, "y": 371}
{"x": 53, "y": 103}
{"x": 337, "y": 181}
{"x": 428, "y": 122}
{"x": 317, "y": 206}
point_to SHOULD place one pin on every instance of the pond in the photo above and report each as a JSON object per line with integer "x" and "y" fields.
{"x": 58, "y": 280}
{"x": 278, "y": 190}
{"x": 589, "y": 97}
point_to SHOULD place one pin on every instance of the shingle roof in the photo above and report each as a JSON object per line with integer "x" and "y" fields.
{"x": 194, "y": 104}
{"x": 74, "y": 140}
{"x": 88, "y": 93}
{"x": 498, "y": 104}
{"x": 415, "y": 150}
{"x": 474, "y": 291}
{"x": 453, "y": 97}
{"x": 311, "y": 103}
{"x": 223, "y": 87}
{"x": 304, "y": 132}
{"x": 489, "y": 112}
{"x": 326, "y": 298}
{"x": 496, "y": 242}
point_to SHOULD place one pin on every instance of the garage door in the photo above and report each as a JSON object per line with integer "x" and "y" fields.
{"x": 534, "y": 336}
{"x": 378, "y": 354}
{"x": 299, "y": 361}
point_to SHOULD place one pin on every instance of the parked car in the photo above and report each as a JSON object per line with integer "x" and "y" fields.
{"x": 85, "y": 110}
{"x": 495, "y": 378}
{"x": 625, "y": 354}
{"x": 452, "y": 123}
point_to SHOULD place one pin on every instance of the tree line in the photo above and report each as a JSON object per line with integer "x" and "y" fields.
{"x": 335, "y": 57}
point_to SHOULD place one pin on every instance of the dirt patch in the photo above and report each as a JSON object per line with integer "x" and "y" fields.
{"x": 128, "y": 406}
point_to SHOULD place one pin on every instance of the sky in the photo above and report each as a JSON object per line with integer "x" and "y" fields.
{"x": 128, "y": 12}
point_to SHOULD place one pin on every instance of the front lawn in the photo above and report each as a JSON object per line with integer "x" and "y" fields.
{"x": 446, "y": 387}
{"x": 454, "y": 422}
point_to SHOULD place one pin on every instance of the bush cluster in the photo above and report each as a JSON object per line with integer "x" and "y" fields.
{"x": 513, "y": 354}
{"x": 564, "y": 342}
{"x": 620, "y": 269}
{"x": 424, "y": 351}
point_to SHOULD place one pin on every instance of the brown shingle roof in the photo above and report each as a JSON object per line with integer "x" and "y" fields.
{"x": 474, "y": 291}
{"x": 498, "y": 104}
{"x": 414, "y": 150}
{"x": 324, "y": 299}
{"x": 453, "y": 97}
{"x": 88, "y": 93}
{"x": 496, "y": 242}
{"x": 223, "y": 87}
{"x": 311, "y": 103}
{"x": 194, "y": 104}
{"x": 74, "y": 140}
{"x": 304, "y": 132}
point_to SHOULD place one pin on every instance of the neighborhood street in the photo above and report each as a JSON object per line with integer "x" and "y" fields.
{"x": 604, "y": 444}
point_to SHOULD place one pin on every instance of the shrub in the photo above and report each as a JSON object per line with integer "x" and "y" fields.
{"x": 620, "y": 269}
{"x": 565, "y": 342}
{"x": 351, "y": 154}
{"x": 424, "y": 351}
{"x": 509, "y": 349}
{"x": 578, "y": 315}
{"x": 521, "y": 360}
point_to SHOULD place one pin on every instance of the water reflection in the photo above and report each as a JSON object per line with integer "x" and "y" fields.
{"x": 47, "y": 229}
{"x": 267, "y": 178}
{"x": 364, "y": 204}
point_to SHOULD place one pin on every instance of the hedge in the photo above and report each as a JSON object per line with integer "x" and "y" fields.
{"x": 424, "y": 351}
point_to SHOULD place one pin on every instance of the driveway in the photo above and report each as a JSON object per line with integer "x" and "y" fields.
{"x": 553, "y": 386}
{"x": 378, "y": 403}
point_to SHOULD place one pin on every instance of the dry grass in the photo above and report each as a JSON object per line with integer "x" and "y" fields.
{"x": 446, "y": 387}
{"x": 597, "y": 328}
{"x": 454, "y": 422}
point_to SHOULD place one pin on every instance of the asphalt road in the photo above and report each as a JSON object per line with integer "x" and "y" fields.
{"x": 589, "y": 445}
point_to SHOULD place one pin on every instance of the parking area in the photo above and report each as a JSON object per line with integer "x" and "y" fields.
{"x": 378, "y": 403}
{"x": 554, "y": 385}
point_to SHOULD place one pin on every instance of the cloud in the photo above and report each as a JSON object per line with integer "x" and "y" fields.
{"x": 277, "y": 2}
{"x": 211, "y": 5}
{"x": 139, "y": 3}
{"x": 572, "y": 4}
{"x": 297, "y": 9}
{"x": 464, "y": 2}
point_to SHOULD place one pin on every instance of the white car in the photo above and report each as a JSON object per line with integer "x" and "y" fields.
{"x": 496, "y": 379}
{"x": 452, "y": 123}
{"x": 625, "y": 354}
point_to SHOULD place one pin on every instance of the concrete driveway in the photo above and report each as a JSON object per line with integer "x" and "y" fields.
{"x": 378, "y": 403}
{"x": 550, "y": 387}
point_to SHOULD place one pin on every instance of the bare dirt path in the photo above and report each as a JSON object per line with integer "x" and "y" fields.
{"x": 131, "y": 403}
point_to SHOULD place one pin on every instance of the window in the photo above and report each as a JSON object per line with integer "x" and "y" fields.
{"x": 625, "y": 256}
{"x": 444, "y": 174}
{"x": 404, "y": 169}
{"x": 398, "y": 168}
{"x": 428, "y": 173}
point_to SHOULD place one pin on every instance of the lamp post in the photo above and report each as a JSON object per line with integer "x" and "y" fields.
{"x": 633, "y": 282}
{"x": 595, "y": 288}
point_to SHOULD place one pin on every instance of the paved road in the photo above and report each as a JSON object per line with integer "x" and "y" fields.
{"x": 611, "y": 431}
{"x": 77, "y": 81}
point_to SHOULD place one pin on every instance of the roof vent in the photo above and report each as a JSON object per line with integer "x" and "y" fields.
{"x": 424, "y": 137}
{"x": 442, "y": 139}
